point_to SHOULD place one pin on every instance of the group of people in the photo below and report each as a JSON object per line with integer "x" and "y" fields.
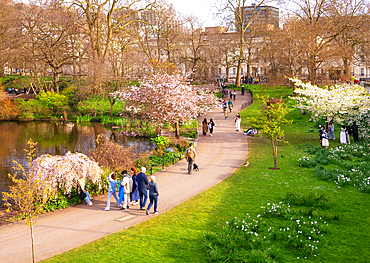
{"x": 345, "y": 133}
{"x": 132, "y": 190}
{"x": 208, "y": 126}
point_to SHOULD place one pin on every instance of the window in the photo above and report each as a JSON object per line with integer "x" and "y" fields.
{"x": 242, "y": 72}
{"x": 219, "y": 71}
{"x": 362, "y": 72}
{"x": 234, "y": 71}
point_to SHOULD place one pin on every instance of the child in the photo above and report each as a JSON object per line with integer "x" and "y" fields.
{"x": 153, "y": 195}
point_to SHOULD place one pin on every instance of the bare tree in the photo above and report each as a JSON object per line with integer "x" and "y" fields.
{"x": 349, "y": 20}
{"x": 9, "y": 33}
{"x": 103, "y": 20}
{"x": 241, "y": 15}
{"x": 194, "y": 44}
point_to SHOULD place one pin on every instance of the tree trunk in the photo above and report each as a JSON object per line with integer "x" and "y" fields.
{"x": 33, "y": 243}
{"x": 177, "y": 128}
{"x": 346, "y": 69}
{"x": 274, "y": 152}
{"x": 56, "y": 80}
{"x": 112, "y": 101}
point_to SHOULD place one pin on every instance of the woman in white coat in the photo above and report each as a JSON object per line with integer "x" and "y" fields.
{"x": 238, "y": 120}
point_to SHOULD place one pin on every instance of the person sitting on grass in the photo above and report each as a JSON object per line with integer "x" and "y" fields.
{"x": 251, "y": 132}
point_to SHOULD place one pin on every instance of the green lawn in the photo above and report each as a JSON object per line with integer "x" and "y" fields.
{"x": 178, "y": 235}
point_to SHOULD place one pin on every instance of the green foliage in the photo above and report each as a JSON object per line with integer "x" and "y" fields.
{"x": 305, "y": 161}
{"x": 350, "y": 165}
{"x": 281, "y": 226}
{"x": 31, "y": 109}
{"x": 98, "y": 105}
{"x": 53, "y": 101}
{"x": 161, "y": 142}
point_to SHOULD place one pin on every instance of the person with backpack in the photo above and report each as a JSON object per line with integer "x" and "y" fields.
{"x": 190, "y": 156}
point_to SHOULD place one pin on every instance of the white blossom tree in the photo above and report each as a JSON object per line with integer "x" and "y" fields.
{"x": 64, "y": 172}
{"x": 337, "y": 102}
{"x": 165, "y": 98}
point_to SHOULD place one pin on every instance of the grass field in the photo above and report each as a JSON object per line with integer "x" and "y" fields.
{"x": 178, "y": 235}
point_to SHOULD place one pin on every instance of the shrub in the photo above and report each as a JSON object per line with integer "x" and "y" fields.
{"x": 112, "y": 155}
{"x": 7, "y": 108}
{"x": 52, "y": 101}
{"x": 305, "y": 161}
{"x": 31, "y": 109}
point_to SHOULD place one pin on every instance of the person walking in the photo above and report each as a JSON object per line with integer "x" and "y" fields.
{"x": 355, "y": 132}
{"x": 234, "y": 94}
{"x": 230, "y": 104}
{"x": 238, "y": 120}
{"x": 342, "y": 136}
{"x": 112, "y": 190}
{"x": 231, "y": 95}
{"x": 243, "y": 89}
{"x": 205, "y": 127}
{"x": 331, "y": 130}
{"x": 142, "y": 185}
{"x": 126, "y": 184}
{"x": 226, "y": 113}
{"x": 190, "y": 154}
{"x": 224, "y": 105}
{"x": 153, "y": 195}
{"x": 121, "y": 193}
{"x": 211, "y": 124}
{"x": 135, "y": 191}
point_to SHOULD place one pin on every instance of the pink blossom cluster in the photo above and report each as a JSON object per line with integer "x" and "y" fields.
{"x": 166, "y": 98}
{"x": 64, "y": 172}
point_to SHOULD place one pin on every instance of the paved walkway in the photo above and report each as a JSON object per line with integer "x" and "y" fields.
{"x": 218, "y": 157}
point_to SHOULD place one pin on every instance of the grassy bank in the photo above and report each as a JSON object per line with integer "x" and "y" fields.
{"x": 178, "y": 235}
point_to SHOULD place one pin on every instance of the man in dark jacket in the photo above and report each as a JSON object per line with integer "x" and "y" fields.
{"x": 355, "y": 132}
{"x": 142, "y": 185}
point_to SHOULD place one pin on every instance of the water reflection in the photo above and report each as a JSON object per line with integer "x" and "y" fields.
{"x": 55, "y": 138}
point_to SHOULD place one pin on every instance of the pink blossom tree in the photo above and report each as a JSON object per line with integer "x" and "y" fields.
{"x": 165, "y": 98}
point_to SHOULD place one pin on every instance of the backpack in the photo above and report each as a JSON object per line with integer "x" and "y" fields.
{"x": 191, "y": 153}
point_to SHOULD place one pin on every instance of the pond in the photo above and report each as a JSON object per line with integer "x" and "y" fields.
{"x": 55, "y": 138}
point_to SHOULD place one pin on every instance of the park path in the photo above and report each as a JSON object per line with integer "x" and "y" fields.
{"x": 218, "y": 157}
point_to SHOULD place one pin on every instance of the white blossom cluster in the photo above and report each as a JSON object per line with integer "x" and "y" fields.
{"x": 64, "y": 172}
{"x": 335, "y": 103}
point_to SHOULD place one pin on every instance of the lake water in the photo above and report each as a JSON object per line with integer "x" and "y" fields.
{"x": 55, "y": 138}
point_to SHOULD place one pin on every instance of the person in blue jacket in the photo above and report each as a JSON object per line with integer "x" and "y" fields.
{"x": 153, "y": 195}
{"x": 112, "y": 190}
{"x": 142, "y": 185}
{"x": 121, "y": 193}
